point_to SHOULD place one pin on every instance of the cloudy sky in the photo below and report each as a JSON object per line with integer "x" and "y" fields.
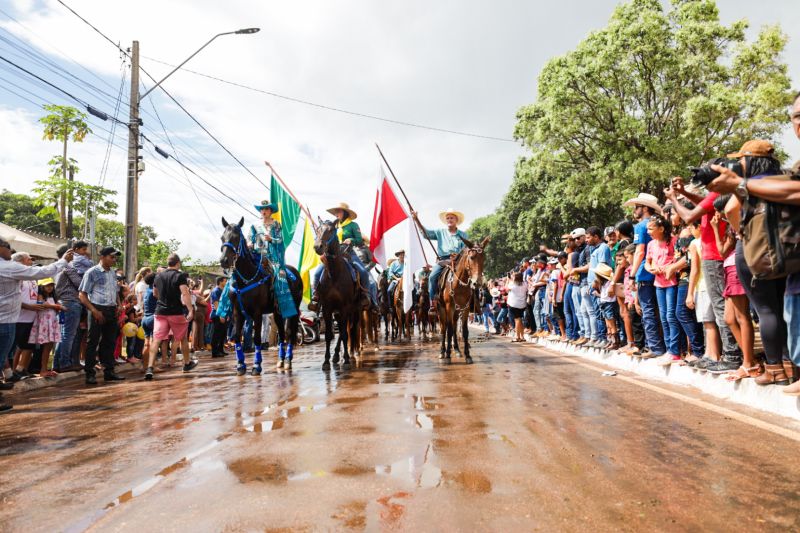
{"x": 452, "y": 64}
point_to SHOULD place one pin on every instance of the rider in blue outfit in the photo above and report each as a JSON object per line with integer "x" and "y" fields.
{"x": 448, "y": 242}
{"x": 395, "y": 271}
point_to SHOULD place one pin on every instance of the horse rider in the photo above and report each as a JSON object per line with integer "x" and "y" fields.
{"x": 348, "y": 233}
{"x": 448, "y": 242}
{"x": 266, "y": 239}
{"x": 421, "y": 274}
{"x": 395, "y": 271}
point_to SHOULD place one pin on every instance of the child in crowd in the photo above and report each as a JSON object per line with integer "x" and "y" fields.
{"x": 659, "y": 261}
{"x": 697, "y": 298}
{"x": 46, "y": 330}
{"x": 603, "y": 287}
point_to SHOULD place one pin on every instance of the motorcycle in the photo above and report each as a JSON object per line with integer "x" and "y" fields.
{"x": 308, "y": 328}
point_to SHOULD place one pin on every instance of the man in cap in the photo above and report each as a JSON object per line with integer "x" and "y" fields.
{"x": 11, "y": 274}
{"x": 449, "y": 241}
{"x": 99, "y": 293}
{"x": 645, "y": 206}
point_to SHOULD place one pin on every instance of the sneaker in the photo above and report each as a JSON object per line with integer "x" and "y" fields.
{"x": 666, "y": 359}
{"x": 18, "y": 376}
{"x": 190, "y": 365}
{"x": 6, "y": 385}
{"x": 723, "y": 367}
{"x": 148, "y": 375}
{"x": 702, "y": 363}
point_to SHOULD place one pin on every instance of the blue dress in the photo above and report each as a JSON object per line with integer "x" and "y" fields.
{"x": 267, "y": 241}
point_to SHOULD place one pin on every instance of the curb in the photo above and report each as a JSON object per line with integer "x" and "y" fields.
{"x": 745, "y": 392}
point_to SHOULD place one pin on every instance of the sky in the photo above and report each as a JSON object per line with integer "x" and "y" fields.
{"x": 461, "y": 65}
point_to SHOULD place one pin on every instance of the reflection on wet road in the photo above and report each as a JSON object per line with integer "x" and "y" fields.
{"x": 520, "y": 440}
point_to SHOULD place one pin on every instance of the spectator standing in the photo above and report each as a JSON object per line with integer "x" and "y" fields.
{"x": 67, "y": 282}
{"x": 29, "y": 306}
{"x": 218, "y": 320}
{"x": 660, "y": 257}
{"x": 517, "y": 300}
{"x": 148, "y": 313}
{"x": 599, "y": 252}
{"x": 46, "y": 330}
{"x": 644, "y": 207}
{"x": 173, "y": 312}
{"x": 11, "y": 273}
{"x": 99, "y": 293}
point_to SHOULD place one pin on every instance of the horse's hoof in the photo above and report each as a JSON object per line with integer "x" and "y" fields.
{"x": 288, "y": 365}
{"x": 255, "y": 371}
{"x": 280, "y": 363}
{"x": 326, "y": 365}
{"x": 241, "y": 370}
{"x": 442, "y": 356}
{"x": 468, "y": 360}
{"x": 458, "y": 354}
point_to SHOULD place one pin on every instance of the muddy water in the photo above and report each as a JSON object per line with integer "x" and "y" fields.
{"x": 521, "y": 440}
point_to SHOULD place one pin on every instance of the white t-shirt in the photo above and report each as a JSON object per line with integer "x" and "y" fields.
{"x": 139, "y": 291}
{"x": 604, "y": 297}
{"x": 30, "y": 295}
{"x": 517, "y": 295}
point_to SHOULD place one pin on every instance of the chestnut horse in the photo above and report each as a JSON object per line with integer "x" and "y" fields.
{"x": 455, "y": 295}
{"x": 405, "y": 321}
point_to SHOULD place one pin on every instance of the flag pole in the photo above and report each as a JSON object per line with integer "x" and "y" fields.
{"x": 409, "y": 204}
{"x": 283, "y": 184}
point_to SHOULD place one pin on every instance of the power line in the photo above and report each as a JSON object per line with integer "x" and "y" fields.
{"x": 116, "y": 45}
{"x": 336, "y": 109}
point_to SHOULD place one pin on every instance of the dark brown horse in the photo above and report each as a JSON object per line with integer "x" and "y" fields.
{"x": 252, "y": 295}
{"x": 423, "y": 304}
{"x": 404, "y": 320}
{"x": 386, "y": 307}
{"x": 455, "y": 296}
{"x": 339, "y": 295}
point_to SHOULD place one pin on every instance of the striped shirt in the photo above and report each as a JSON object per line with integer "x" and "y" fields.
{"x": 446, "y": 243}
{"x": 100, "y": 286}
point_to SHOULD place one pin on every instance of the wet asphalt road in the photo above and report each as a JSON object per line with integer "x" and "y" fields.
{"x": 522, "y": 440}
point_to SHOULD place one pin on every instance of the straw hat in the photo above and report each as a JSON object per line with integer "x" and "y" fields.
{"x": 398, "y": 252}
{"x": 458, "y": 214}
{"x": 352, "y": 215}
{"x": 603, "y": 270}
{"x": 644, "y": 199}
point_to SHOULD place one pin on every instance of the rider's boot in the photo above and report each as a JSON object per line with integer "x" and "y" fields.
{"x": 313, "y": 305}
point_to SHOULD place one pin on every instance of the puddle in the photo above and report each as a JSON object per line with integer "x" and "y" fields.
{"x": 421, "y": 403}
{"x": 494, "y": 435}
{"x": 472, "y": 482}
{"x": 417, "y": 469}
{"x": 258, "y": 469}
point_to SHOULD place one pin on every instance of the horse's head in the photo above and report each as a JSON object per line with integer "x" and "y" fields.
{"x": 325, "y": 237}
{"x": 232, "y": 243}
{"x": 476, "y": 259}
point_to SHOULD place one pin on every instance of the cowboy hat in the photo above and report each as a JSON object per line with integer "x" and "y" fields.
{"x": 458, "y": 214}
{"x": 352, "y": 215}
{"x": 265, "y": 204}
{"x": 604, "y": 271}
{"x": 398, "y": 252}
{"x": 644, "y": 199}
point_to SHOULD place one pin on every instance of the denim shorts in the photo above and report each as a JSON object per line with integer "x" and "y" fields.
{"x": 607, "y": 310}
{"x": 147, "y": 325}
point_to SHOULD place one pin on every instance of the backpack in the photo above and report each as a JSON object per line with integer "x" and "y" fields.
{"x": 771, "y": 236}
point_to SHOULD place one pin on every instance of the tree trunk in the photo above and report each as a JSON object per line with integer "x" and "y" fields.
{"x": 62, "y": 208}
{"x": 70, "y": 200}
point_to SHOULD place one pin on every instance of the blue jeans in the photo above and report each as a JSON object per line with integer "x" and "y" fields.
{"x": 689, "y": 323}
{"x": 502, "y": 317}
{"x": 597, "y": 316}
{"x": 580, "y": 330}
{"x": 570, "y": 321}
{"x": 791, "y": 314}
{"x": 433, "y": 280}
{"x": 69, "y": 329}
{"x": 487, "y": 315}
{"x": 362, "y": 272}
{"x": 589, "y": 324}
{"x": 537, "y": 311}
{"x": 647, "y": 301}
{"x": 7, "y": 333}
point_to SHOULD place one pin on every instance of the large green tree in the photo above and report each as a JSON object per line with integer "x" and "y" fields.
{"x": 60, "y": 124}
{"x": 635, "y": 103}
{"x": 21, "y": 211}
{"x": 152, "y": 251}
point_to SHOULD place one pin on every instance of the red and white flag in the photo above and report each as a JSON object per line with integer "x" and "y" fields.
{"x": 390, "y": 213}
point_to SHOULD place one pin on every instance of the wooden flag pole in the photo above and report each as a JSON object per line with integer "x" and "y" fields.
{"x": 283, "y": 184}
{"x": 409, "y": 204}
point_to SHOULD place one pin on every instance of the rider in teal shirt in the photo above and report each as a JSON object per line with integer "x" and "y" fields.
{"x": 448, "y": 242}
{"x": 396, "y": 270}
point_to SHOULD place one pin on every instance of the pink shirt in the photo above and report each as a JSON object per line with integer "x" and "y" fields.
{"x": 662, "y": 254}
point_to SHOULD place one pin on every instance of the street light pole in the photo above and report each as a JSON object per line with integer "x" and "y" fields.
{"x": 132, "y": 200}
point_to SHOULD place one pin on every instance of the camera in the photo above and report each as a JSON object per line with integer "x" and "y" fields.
{"x": 704, "y": 175}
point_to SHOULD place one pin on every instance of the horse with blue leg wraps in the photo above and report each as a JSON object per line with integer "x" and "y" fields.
{"x": 252, "y": 295}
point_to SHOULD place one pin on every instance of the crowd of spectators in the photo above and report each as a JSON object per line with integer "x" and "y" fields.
{"x": 696, "y": 280}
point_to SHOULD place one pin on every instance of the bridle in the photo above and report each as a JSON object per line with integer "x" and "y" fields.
{"x": 237, "y": 277}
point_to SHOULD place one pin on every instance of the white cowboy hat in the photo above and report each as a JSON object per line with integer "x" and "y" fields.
{"x": 352, "y": 215}
{"x": 398, "y": 252}
{"x": 644, "y": 199}
{"x": 458, "y": 214}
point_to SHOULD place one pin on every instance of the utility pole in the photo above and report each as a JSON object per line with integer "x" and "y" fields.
{"x": 132, "y": 200}
{"x": 70, "y": 199}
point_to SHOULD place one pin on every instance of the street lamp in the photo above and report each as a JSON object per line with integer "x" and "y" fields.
{"x": 132, "y": 201}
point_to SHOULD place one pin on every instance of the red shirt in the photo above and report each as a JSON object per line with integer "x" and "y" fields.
{"x": 707, "y": 239}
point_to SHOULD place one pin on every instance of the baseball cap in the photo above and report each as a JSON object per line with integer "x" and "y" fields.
{"x": 578, "y": 232}
{"x": 109, "y": 250}
{"x": 552, "y": 261}
{"x": 755, "y": 148}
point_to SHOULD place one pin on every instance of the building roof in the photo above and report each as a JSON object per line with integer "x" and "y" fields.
{"x": 29, "y": 243}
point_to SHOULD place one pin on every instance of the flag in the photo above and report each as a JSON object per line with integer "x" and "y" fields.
{"x": 309, "y": 260}
{"x": 288, "y": 210}
{"x": 390, "y": 213}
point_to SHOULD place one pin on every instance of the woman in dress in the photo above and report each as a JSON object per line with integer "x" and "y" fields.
{"x": 266, "y": 239}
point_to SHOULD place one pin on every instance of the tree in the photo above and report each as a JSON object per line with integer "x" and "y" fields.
{"x": 152, "y": 251}
{"x": 50, "y": 191}
{"x": 21, "y": 211}
{"x": 635, "y": 103}
{"x": 60, "y": 124}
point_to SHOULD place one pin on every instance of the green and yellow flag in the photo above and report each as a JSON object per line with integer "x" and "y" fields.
{"x": 309, "y": 260}
{"x": 288, "y": 210}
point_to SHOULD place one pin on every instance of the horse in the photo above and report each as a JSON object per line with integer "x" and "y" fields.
{"x": 404, "y": 320}
{"x": 252, "y": 296}
{"x": 339, "y": 294}
{"x": 455, "y": 295}
{"x": 385, "y": 307}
